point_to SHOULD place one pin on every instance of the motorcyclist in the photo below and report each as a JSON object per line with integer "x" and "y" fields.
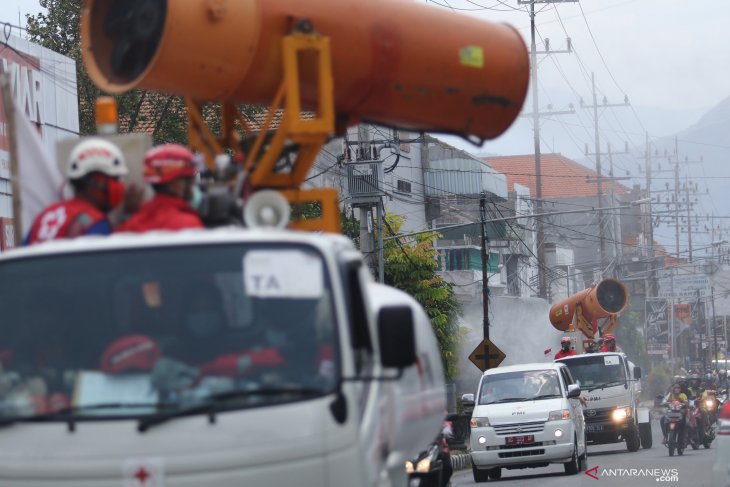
{"x": 693, "y": 386}
{"x": 675, "y": 394}
{"x": 171, "y": 171}
{"x": 93, "y": 170}
{"x": 565, "y": 350}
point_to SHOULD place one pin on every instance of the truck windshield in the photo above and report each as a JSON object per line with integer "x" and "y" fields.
{"x": 597, "y": 371}
{"x": 147, "y": 331}
{"x": 528, "y": 385}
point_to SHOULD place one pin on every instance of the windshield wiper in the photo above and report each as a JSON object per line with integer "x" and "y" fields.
{"x": 546, "y": 396}
{"x": 68, "y": 413}
{"x": 508, "y": 399}
{"x": 606, "y": 384}
{"x": 214, "y": 402}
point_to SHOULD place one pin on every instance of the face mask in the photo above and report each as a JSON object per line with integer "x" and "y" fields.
{"x": 204, "y": 323}
{"x": 276, "y": 338}
{"x": 196, "y": 197}
{"x": 115, "y": 193}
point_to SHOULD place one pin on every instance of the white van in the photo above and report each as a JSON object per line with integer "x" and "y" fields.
{"x": 141, "y": 360}
{"x": 526, "y": 416}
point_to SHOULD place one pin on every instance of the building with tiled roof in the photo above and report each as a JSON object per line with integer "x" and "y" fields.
{"x": 561, "y": 177}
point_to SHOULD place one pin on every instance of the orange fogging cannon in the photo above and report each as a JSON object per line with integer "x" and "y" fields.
{"x": 605, "y": 300}
{"x": 392, "y": 62}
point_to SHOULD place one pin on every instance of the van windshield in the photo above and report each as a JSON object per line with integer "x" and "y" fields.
{"x": 529, "y": 385}
{"x": 139, "y": 332}
{"x": 597, "y": 371}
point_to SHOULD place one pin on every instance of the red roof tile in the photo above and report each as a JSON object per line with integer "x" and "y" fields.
{"x": 561, "y": 177}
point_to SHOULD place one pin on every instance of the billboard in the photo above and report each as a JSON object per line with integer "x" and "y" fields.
{"x": 656, "y": 327}
{"x": 684, "y": 286}
{"x": 43, "y": 84}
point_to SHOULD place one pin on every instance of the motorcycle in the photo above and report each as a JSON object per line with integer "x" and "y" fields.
{"x": 432, "y": 467}
{"x": 675, "y": 420}
{"x": 694, "y": 426}
{"x": 712, "y": 407}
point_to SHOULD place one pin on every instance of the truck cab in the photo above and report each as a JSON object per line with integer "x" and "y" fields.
{"x": 211, "y": 357}
{"x": 611, "y": 388}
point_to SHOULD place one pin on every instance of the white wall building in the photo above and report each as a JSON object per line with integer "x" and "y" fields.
{"x": 44, "y": 85}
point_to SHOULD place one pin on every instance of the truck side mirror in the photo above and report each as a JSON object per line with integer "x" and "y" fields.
{"x": 467, "y": 400}
{"x": 637, "y": 372}
{"x": 573, "y": 391}
{"x": 396, "y": 337}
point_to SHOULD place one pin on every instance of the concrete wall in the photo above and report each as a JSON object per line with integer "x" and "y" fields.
{"x": 519, "y": 327}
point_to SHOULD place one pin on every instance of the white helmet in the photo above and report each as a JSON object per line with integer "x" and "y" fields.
{"x": 94, "y": 154}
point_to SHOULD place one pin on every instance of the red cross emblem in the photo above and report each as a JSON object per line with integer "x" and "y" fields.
{"x": 142, "y": 475}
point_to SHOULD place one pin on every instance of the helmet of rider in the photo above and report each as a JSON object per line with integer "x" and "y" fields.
{"x": 95, "y": 155}
{"x": 565, "y": 340}
{"x": 608, "y": 337}
{"x": 722, "y": 372}
{"x": 167, "y": 162}
{"x": 130, "y": 353}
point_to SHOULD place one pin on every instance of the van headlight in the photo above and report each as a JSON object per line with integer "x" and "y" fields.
{"x": 424, "y": 465}
{"x": 409, "y": 467}
{"x": 559, "y": 414}
{"x": 479, "y": 422}
{"x": 621, "y": 414}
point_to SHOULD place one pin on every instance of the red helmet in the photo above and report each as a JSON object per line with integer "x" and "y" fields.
{"x": 168, "y": 162}
{"x": 132, "y": 352}
{"x": 608, "y": 337}
{"x": 565, "y": 340}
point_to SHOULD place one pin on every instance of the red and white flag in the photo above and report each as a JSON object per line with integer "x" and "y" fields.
{"x": 41, "y": 182}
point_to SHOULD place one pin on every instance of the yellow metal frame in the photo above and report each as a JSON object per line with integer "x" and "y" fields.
{"x": 309, "y": 134}
{"x": 585, "y": 326}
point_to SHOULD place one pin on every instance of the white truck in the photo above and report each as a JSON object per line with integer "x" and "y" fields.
{"x": 610, "y": 385}
{"x": 221, "y": 357}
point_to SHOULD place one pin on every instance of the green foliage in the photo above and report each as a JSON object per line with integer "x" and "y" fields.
{"x": 410, "y": 265}
{"x": 631, "y": 340}
{"x": 658, "y": 380}
{"x": 350, "y": 226}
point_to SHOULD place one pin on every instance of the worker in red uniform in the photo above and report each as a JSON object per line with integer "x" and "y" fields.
{"x": 565, "y": 350}
{"x": 609, "y": 343}
{"x": 171, "y": 171}
{"x": 94, "y": 169}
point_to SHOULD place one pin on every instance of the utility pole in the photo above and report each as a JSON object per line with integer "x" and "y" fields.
{"x": 651, "y": 290}
{"x": 689, "y": 218}
{"x": 599, "y": 176}
{"x": 485, "y": 269}
{"x": 714, "y": 330}
{"x": 542, "y": 288}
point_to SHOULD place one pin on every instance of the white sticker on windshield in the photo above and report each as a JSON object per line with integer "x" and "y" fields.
{"x": 611, "y": 360}
{"x": 282, "y": 274}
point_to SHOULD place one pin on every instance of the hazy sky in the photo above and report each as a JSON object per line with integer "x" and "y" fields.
{"x": 670, "y": 58}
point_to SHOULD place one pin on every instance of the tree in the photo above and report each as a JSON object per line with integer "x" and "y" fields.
{"x": 631, "y": 340}
{"x": 410, "y": 265}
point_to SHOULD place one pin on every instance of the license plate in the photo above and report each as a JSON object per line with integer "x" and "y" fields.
{"x": 594, "y": 428}
{"x": 520, "y": 440}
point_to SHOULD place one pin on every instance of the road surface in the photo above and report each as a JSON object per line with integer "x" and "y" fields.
{"x": 615, "y": 466}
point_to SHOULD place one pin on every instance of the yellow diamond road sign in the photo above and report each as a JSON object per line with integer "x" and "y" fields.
{"x": 487, "y": 355}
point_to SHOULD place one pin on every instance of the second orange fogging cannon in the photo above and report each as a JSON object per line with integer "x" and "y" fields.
{"x": 393, "y": 62}
{"x": 605, "y": 300}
